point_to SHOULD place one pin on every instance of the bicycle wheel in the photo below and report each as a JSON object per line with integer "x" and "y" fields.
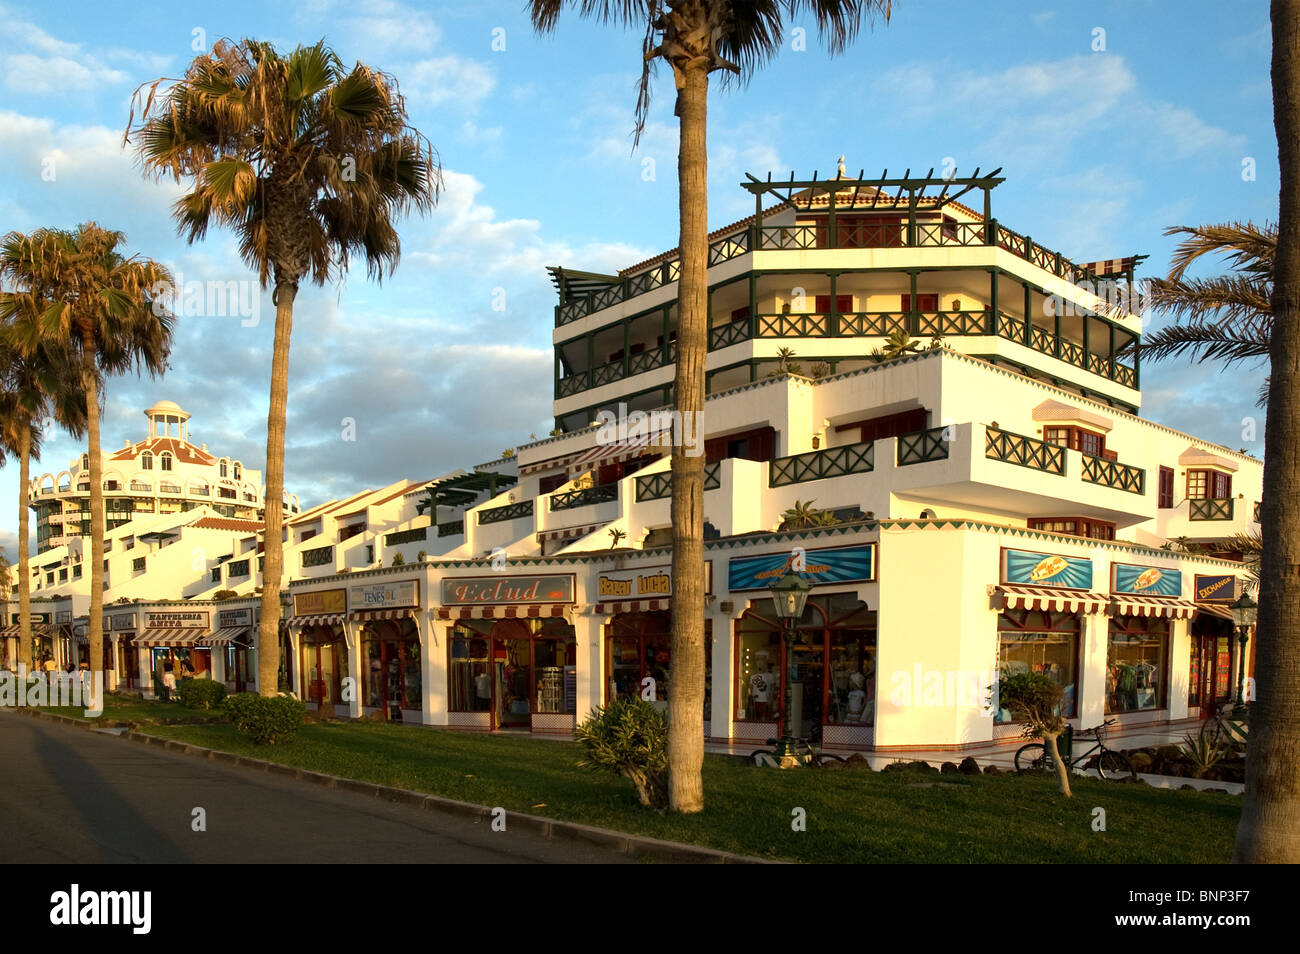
{"x": 821, "y": 758}
{"x": 1033, "y": 757}
{"x": 1114, "y": 766}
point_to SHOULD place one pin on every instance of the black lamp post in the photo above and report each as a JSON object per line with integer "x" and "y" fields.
{"x": 1244, "y": 611}
{"x": 789, "y": 594}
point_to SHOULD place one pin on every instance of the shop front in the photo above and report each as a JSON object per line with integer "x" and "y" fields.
{"x": 171, "y": 641}
{"x": 1215, "y": 645}
{"x": 512, "y": 652}
{"x": 120, "y": 653}
{"x": 391, "y": 651}
{"x": 44, "y": 641}
{"x": 231, "y": 642}
{"x": 1146, "y": 610}
{"x": 317, "y": 627}
{"x": 829, "y": 666}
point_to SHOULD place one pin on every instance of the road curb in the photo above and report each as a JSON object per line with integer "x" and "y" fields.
{"x": 638, "y": 846}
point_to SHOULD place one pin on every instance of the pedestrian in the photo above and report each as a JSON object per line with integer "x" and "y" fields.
{"x": 168, "y": 681}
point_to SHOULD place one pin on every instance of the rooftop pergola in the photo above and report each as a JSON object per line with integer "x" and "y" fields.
{"x": 569, "y": 281}
{"x": 871, "y": 193}
{"x": 461, "y": 490}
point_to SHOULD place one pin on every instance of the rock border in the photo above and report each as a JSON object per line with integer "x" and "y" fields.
{"x": 638, "y": 846}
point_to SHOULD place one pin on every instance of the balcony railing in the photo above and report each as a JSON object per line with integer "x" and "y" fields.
{"x": 418, "y": 535}
{"x": 512, "y": 511}
{"x": 451, "y": 528}
{"x": 1113, "y": 474}
{"x": 922, "y": 446}
{"x": 570, "y": 499}
{"x": 793, "y": 326}
{"x": 321, "y": 556}
{"x": 659, "y": 485}
{"x": 1210, "y": 508}
{"x": 722, "y": 336}
{"x": 866, "y": 324}
{"x": 1025, "y": 451}
{"x": 1071, "y": 352}
{"x": 820, "y": 464}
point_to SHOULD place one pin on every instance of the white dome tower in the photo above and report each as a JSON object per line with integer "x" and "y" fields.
{"x": 167, "y": 419}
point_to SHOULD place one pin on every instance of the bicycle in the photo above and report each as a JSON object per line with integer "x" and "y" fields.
{"x": 805, "y": 752}
{"x": 1109, "y": 764}
{"x": 1228, "y": 727}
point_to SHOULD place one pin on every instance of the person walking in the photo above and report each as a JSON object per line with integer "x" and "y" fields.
{"x": 168, "y": 682}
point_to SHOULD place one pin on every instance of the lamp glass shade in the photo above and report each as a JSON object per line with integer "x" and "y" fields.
{"x": 789, "y": 595}
{"x": 1244, "y": 610}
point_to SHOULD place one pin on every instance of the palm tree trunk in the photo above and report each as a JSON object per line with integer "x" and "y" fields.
{"x": 686, "y": 704}
{"x": 268, "y": 631}
{"x": 1062, "y": 770}
{"x": 89, "y": 380}
{"x": 24, "y": 555}
{"x": 1269, "y": 832}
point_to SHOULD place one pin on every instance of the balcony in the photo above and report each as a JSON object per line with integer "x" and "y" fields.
{"x": 1113, "y": 474}
{"x": 406, "y": 536}
{"x": 1063, "y": 349}
{"x": 922, "y": 446}
{"x": 570, "y": 499}
{"x": 321, "y": 556}
{"x": 451, "y": 528}
{"x": 659, "y": 485}
{"x": 821, "y": 464}
{"x": 1211, "y": 508}
{"x": 514, "y": 511}
{"x": 1024, "y": 451}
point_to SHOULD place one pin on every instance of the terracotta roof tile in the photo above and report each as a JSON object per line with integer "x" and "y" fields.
{"x": 227, "y": 523}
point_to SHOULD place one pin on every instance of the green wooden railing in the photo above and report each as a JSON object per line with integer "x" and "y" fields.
{"x": 1210, "y": 508}
{"x": 659, "y": 485}
{"x": 1113, "y": 474}
{"x": 922, "y": 446}
{"x": 406, "y": 536}
{"x": 318, "y": 557}
{"x": 820, "y": 464}
{"x": 513, "y": 511}
{"x": 451, "y": 528}
{"x": 1025, "y": 451}
{"x": 602, "y": 493}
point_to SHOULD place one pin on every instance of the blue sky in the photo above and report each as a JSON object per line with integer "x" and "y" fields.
{"x": 1102, "y": 149}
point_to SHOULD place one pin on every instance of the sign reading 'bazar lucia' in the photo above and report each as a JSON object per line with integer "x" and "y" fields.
{"x": 319, "y": 602}
{"x": 1046, "y": 569}
{"x": 642, "y": 583}
{"x": 839, "y": 565}
{"x": 488, "y": 590}
{"x": 385, "y": 595}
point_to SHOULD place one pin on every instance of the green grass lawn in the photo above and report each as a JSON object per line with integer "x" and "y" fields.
{"x": 135, "y": 709}
{"x": 852, "y": 816}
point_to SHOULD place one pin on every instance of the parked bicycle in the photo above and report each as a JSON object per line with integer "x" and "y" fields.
{"x": 1229, "y": 727}
{"x": 1109, "y": 764}
{"x": 805, "y": 751}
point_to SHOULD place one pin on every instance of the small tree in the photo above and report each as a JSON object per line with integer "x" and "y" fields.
{"x": 399, "y": 560}
{"x": 1035, "y": 698}
{"x": 629, "y": 737}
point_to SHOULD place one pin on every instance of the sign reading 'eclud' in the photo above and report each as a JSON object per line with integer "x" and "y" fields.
{"x": 487, "y": 590}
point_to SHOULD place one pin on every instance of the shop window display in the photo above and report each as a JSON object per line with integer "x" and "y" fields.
{"x": 639, "y": 648}
{"x": 1036, "y": 641}
{"x": 1135, "y": 663}
{"x": 392, "y": 653}
{"x": 513, "y": 668}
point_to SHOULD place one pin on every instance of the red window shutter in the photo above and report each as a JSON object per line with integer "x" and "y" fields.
{"x": 1166, "y": 495}
{"x": 740, "y": 314}
{"x": 715, "y": 449}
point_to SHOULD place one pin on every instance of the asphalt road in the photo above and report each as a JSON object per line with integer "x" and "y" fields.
{"x": 72, "y": 796}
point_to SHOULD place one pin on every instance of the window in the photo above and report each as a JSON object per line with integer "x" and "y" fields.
{"x": 1136, "y": 669}
{"x": 1036, "y": 641}
{"x": 1165, "y": 497}
{"x": 390, "y": 650}
{"x": 146, "y": 461}
{"x": 76, "y": 572}
{"x": 889, "y": 425}
{"x": 224, "y": 469}
{"x": 547, "y": 484}
{"x": 238, "y": 472}
{"x": 1203, "y": 484}
{"x": 354, "y": 529}
{"x": 238, "y": 568}
{"x": 758, "y": 444}
{"x": 1075, "y": 526}
{"x": 216, "y": 574}
{"x": 924, "y": 303}
{"x": 1076, "y": 438}
{"x": 166, "y": 463}
{"x": 136, "y": 564}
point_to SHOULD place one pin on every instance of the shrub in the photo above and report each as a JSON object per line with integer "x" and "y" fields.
{"x": 266, "y": 720}
{"x": 629, "y": 737}
{"x": 201, "y": 693}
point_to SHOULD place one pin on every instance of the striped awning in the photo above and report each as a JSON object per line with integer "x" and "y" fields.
{"x": 9, "y": 631}
{"x": 316, "y": 619}
{"x": 568, "y": 533}
{"x": 1113, "y": 266}
{"x": 365, "y": 616}
{"x": 517, "y": 611}
{"x": 223, "y": 637}
{"x": 1134, "y": 604}
{"x": 1048, "y": 598}
{"x": 633, "y": 606}
{"x": 38, "y": 629}
{"x": 552, "y": 463}
{"x": 1215, "y": 609}
{"x": 171, "y": 638}
{"x": 603, "y": 454}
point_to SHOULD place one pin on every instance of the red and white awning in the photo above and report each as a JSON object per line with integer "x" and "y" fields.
{"x": 516, "y": 611}
{"x": 1134, "y": 604}
{"x": 568, "y": 533}
{"x": 315, "y": 619}
{"x": 365, "y": 616}
{"x": 224, "y": 637}
{"x": 1215, "y": 609}
{"x": 38, "y": 629}
{"x": 170, "y": 638}
{"x": 552, "y": 463}
{"x": 9, "y": 631}
{"x": 603, "y": 454}
{"x": 633, "y": 606}
{"x": 1049, "y": 599}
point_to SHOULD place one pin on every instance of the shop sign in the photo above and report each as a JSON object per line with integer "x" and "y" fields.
{"x": 839, "y": 565}
{"x": 176, "y": 620}
{"x": 384, "y": 595}
{"x": 228, "y": 619}
{"x": 36, "y": 618}
{"x": 1215, "y": 589}
{"x": 63, "y": 616}
{"x": 1147, "y": 580}
{"x": 320, "y": 602}
{"x": 645, "y": 582}
{"x": 487, "y": 590}
{"x": 1046, "y": 569}
{"x": 121, "y": 622}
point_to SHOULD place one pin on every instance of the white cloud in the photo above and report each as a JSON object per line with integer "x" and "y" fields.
{"x": 33, "y": 61}
{"x": 381, "y": 26}
{"x": 448, "y": 79}
{"x": 28, "y": 73}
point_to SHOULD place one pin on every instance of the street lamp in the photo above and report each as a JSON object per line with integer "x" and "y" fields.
{"x": 789, "y": 594}
{"x": 1244, "y": 611}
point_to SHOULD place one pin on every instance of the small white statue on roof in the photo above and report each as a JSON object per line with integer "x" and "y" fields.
{"x": 841, "y": 169}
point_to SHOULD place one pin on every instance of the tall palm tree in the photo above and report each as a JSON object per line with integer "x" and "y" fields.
{"x": 36, "y": 386}
{"x": 697, "y": 38}
{"x": 84, "y": 296}
{"x": 1269, "y": 831}
{"x": 309, "y": 163}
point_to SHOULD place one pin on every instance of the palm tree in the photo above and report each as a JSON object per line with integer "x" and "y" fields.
{"x": 899, "y": 344}
{"x": 697, "y": 38}
{"x": 1269, "y": 832}
{"x": 309, "y": 163}
{"x": 36, "y": 387}
{"x": 84, "y": 297}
